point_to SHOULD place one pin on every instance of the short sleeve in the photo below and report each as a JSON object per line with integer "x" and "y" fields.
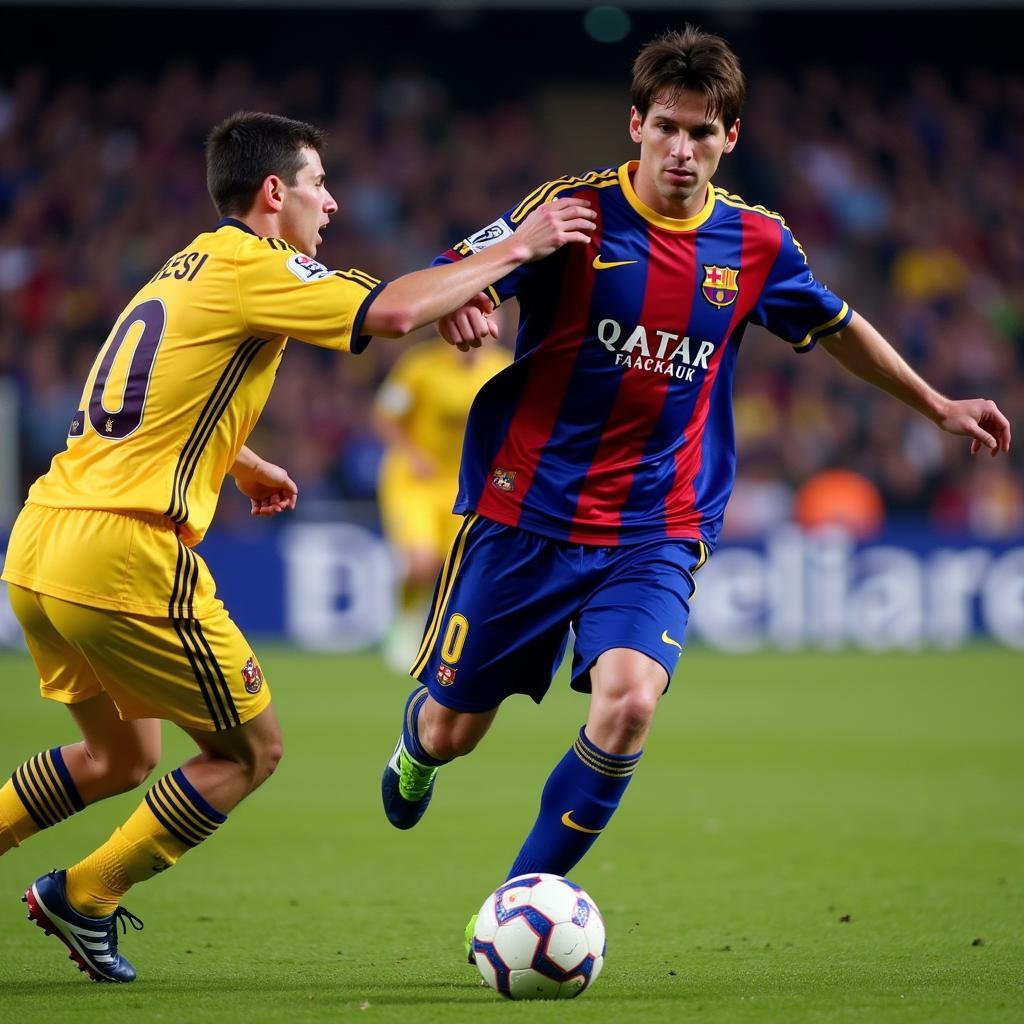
{"x": 284, "y": 292}
{"x": 496, "y": 231}
{"x": 793, "y": 304}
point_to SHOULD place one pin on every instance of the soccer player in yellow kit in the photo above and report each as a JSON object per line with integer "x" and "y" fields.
{"x": 119, "y": 612}
{"x": 420, "y": 412}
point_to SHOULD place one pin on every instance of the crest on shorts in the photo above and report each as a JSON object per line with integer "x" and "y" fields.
{"x": 446, "y": 675}
{"x": 721, "y": 285}
{"x": 504, "y": 479}
{"x": 252, "y": 676}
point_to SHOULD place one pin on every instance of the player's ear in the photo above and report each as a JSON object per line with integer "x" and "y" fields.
{"x": 731, "y": 136}
{"x": 272, "y": 193}
{"x": 635, "y": 124}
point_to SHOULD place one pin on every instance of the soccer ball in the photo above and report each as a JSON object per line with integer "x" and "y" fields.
{"x": 539, "y": 937}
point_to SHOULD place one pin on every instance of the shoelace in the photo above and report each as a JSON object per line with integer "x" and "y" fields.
{"x": 124, "y": 918}
{"x": 414, "y": 778}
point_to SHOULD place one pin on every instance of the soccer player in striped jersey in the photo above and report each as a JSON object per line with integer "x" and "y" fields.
{"x": 118, "y": 610}
{"x": 597, "y": 467}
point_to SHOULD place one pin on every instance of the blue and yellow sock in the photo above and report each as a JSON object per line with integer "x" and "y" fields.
{"x": 410, "y": 730}
{"x": 39, "y": 794}
{"x": 578, "y": 801}
{"x": 173, "y": 817}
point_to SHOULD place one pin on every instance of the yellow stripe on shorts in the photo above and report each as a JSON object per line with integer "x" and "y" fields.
{"x": 444, "y": 590}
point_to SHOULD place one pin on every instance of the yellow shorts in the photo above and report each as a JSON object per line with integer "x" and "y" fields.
{"x": 197, "y": 672}
{"x": 130, "y": 562}
{"x": 417, "y": 514}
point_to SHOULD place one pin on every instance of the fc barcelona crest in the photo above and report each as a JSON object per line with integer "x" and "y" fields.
{"x": 504, "y": 479}
{"x": 721, "y": 285}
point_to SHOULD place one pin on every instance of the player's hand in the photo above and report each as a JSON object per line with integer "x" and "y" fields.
{"x": 555, "y": 224}
{"x": 470, "y": 325}
{"x": 268, "y": 487}
{"x": 981, "y": 420}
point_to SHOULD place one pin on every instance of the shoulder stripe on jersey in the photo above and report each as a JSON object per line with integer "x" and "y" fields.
{"x": 359, "y": 277}
{"x": 192, "y": 451}
{"x": 550, "y": 189}
{"x": 212, "y": 684}
{"x": 279, "y": 244}
{"x": 739, "y": 203}
{"x": 815, "y": 333}
{"x": 446, "y": 581}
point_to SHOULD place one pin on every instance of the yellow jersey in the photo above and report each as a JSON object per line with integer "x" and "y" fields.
{"x": 183, "y": 377}
{"x": 429, "y": 393}
{"x": 168, "y": 403}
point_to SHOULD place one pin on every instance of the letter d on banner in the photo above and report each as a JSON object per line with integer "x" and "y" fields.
{"x": 339, "y": 586}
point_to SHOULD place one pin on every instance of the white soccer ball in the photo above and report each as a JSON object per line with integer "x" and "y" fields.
{"x": 539, "y": 937}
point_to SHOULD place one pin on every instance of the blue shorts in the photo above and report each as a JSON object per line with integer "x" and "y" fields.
{"x": 506, "y": 598}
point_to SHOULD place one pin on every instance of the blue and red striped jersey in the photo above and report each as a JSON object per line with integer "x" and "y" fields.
{"x": 614, "y": 423}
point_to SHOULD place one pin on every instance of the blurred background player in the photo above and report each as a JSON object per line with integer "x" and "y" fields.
{"x": 420, "y": 413}
{"x": 597, "y": 467}
{"x": 119, "y": 613}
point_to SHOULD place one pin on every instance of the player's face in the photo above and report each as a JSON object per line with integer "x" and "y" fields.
{"x": 307, "y": 206}
{"x": 680, "y": 146}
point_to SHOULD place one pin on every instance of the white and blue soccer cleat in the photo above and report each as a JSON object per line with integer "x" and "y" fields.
{"x": 92, "y": 940}
{"x": 406, "y": 788}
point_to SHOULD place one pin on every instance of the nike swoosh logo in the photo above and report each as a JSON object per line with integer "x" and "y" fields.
{"x": 569, "y": 823}
{"x": 600, "y": 264}
{"x": 668, "y": 640}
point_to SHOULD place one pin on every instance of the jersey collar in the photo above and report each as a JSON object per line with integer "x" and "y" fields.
{"x": 668, "y": 223}
{"x": 233, "y": 222}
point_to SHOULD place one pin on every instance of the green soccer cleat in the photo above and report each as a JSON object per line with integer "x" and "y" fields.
{"x": 470, "y": 930}
{"x": 406, "y": 788}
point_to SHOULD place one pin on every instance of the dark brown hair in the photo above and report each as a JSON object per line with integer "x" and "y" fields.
{"x": 247, "y": 147}
{"x": 694, "y": 60}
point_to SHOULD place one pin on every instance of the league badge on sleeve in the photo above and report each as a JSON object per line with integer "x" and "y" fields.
{"x": 488, "y": 236}
{"x": 721, "y": 285}
{"x": 305, "y": 268}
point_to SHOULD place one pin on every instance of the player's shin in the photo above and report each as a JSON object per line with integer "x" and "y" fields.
{"x": 39, "y": 793}
{"x": 173, "y": 818}
{"x": 578, "y": 801}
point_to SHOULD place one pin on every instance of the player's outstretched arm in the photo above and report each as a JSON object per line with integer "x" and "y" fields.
{"x": 864, "y": 352}
{"x": 422, "y": 297}
{"x": 268, "y": 487}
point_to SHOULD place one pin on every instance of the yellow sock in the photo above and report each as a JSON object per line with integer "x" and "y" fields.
{"x": 172, "y": 819}
{"x": 39, "y": 793}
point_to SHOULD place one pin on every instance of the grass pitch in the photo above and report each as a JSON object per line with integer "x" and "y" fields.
{"x": 808, "y": 838}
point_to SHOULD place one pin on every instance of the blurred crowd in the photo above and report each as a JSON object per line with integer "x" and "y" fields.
{"x": 905, "y": 198}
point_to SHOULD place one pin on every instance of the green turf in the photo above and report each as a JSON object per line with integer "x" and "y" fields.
{"x": 809, "y": 838}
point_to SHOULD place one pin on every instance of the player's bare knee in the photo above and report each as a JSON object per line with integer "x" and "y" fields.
{"x": 624, "y": 720}
{"x": 263, "y": 761}
{"x": 137, "y": 770}
{"x": 422, "y": 573}
{"x": 123, "y": 773}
